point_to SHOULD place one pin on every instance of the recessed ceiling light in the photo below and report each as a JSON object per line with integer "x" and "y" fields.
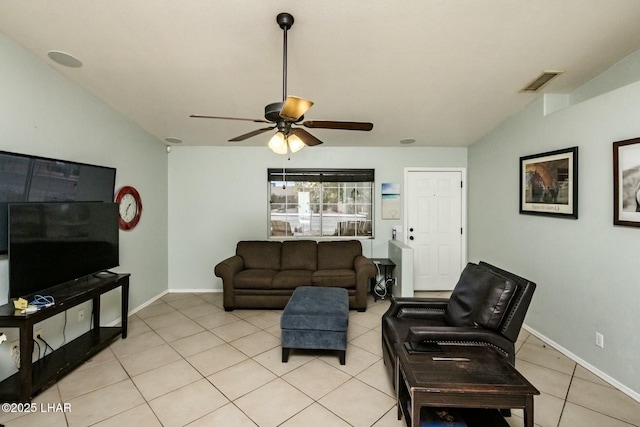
{"x": 173, "y": 140}
{"x": 64, "y": 58}
{"x": 407, "y": 141}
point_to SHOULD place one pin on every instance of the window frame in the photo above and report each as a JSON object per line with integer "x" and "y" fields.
{"x": 351, "y": 179}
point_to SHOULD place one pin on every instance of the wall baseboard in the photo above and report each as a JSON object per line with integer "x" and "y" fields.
{"x": 117, "y": 321}
{"x": 195, "y": 291}
{"x": 160, "y": 295}
{"x": 612, "y": 381}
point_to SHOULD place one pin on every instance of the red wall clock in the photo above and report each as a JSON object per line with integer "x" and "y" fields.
{"x": 130, "y": 207}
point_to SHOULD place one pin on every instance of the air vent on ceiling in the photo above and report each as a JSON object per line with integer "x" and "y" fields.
{"x": 540, "y": 81}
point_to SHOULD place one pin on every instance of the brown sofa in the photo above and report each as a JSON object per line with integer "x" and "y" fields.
{"x": 264, "y": 274}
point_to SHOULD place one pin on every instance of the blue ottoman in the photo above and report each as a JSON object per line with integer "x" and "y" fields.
{"x": 316, "y": 318}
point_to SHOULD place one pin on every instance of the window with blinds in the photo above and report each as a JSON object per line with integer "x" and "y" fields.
{"x": 321, "y": 202}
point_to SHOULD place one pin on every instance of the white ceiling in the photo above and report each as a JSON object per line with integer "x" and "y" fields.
{"x": 444, "y": 72}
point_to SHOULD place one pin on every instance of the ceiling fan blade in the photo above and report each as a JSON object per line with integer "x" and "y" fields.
{"x": 324, "y": 124}
{"x": 306, "y": 137}
{"x": 200, "y": 116}
{"x": 294, "y": 108}
{"x": 250, "y": 134}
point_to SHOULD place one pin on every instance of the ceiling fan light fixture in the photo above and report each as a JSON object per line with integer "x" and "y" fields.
{"x": 294, "y": 108}
{"x": 278, "y": 144}
{"x": 295, "y": 143}
{"x": 291, "y": 111}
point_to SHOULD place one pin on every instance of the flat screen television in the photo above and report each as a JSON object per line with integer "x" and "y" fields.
{"x": 56, "y": 243}
{"x": 25, "y": 178}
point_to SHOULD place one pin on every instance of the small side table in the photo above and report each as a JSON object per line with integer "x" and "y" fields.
{"x": 380, "y": 288}
{"x": 463, "y": 377}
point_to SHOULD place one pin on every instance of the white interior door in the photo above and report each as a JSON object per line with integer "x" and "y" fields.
{"x": 434, "y": 227}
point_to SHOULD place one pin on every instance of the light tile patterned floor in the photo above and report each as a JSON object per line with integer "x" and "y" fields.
{"x": 188, "y": 362}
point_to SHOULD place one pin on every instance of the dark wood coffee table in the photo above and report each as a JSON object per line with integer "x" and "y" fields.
{"x": 468, "y": 377}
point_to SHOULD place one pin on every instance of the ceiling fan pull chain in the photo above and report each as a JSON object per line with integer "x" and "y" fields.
{"x": 286, "y": 141}
{"x": 284, "y": 174}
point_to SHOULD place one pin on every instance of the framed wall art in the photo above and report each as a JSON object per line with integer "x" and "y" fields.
{"x": 626, "y": 182}
{"x": 390, "y": 201}
{"x": 549, "y": 183}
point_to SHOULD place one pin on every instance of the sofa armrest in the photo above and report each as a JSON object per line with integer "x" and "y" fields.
{"x": 226, "y": 270}
{"x": 365, "y": 270}
{"x": 405, "y": 306}
{"x": 364, "y": 266}
{"x": 455, "y": 335}
{"x": 229, "y": 267}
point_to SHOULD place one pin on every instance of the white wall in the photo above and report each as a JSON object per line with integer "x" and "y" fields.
{"x": 43, "y": 113}
{"x": 219, "y": 195}
{"x": 586, "y": 269}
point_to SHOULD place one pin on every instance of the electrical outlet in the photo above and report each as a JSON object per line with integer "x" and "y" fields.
{"x": 38, "y": 333}
{"x": 80, "y": 315}
{"x": 14, "y": 349}
{"x": 599, "y": 340}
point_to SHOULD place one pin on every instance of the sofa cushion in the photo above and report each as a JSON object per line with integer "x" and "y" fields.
{"x": 338, "y": 255}
{"x": 299, "y": 255}
{"x": 480, "y": 298}
{"x": 260, "y": 254}
{"x": 254, "y": 279}
{"x": 291, "y": 279}
{"x": 341, "y": 278}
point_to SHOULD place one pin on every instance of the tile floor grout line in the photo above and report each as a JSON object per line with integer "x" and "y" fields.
{"x": 146, "y": 401}
{"x": 566, "y": 411}
{"x": 566, "y": 396}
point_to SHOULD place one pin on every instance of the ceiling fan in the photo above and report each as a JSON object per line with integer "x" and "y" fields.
{"x": 284, "y": 115}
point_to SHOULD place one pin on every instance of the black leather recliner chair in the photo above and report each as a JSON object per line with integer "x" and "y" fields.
{"x": 486, "y": 308}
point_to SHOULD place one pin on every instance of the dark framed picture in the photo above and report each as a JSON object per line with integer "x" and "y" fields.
{"x": 626, "y": 182}
{"x": 549, "y": 183}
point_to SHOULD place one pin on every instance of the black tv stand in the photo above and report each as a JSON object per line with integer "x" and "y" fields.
{"x": 32, "y": 378}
